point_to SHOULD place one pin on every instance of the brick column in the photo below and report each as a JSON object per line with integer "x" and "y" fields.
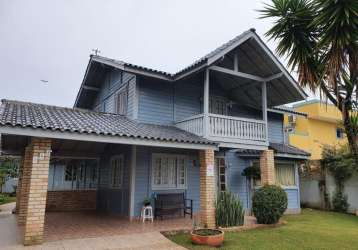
{"x": 267, "y": 167}
{"x": 24, "y": 185}
{"x": 207, "y": 188}
{"x": 34, "y": 190}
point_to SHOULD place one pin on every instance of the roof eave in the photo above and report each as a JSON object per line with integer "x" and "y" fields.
{"x": 66, "y": 135}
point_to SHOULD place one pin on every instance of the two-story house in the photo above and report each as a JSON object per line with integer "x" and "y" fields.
{"x": 135, "y": 132}
{"x": 323, "y": 125}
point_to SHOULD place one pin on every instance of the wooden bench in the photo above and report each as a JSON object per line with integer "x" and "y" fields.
{"x": 170, "y": 204}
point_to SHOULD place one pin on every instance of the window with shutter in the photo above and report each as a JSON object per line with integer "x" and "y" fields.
{"x": 122, "y": 102}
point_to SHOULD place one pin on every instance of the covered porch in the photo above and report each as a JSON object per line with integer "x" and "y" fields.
{"x": 72, "y": 189}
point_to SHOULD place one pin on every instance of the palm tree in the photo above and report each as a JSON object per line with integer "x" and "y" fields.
{"x": 320, "y": 40}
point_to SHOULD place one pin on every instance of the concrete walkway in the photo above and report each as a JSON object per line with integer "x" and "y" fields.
{"x": 10, "y": 239}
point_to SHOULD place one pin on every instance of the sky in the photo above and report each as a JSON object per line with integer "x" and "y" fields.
{"x": 52, "y": 40}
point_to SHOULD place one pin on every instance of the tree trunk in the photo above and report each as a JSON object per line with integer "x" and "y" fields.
{"x": 351, "y": 137}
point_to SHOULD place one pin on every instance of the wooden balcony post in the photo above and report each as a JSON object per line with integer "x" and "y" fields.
{"x": 264, "y": 107}
{"x": 206, "y": 104}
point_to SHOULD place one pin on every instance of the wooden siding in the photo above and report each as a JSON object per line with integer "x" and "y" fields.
{"x": 237, "y": 183}
{"x": 186, "y": 100}
{"x": 275, "y": 128}
{"x": 293, "y": 198}
{"x": 156, "y": 102}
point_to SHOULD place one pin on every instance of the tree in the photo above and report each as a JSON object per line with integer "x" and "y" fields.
{"x": 320, "y": 40}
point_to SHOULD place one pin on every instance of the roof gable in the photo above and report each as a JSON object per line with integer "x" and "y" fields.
{"x": 262, "y": 58}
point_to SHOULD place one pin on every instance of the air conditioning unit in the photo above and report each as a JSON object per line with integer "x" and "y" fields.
{"x": 292, "y": 119}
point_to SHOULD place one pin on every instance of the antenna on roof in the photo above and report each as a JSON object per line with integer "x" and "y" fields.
{"x": 96, "y": 51}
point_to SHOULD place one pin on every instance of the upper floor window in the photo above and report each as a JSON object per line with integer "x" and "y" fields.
{"x": 339, "y": 133}
{"x": 121, "y": 102}
{"x": 218, "y": 105}
{"x": 168, "y": 171}
{"x": 117, "y": 169}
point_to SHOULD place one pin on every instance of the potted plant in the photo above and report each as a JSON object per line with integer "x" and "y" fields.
{"x": 206, "y": 236}
{"x": 146, "y": 201}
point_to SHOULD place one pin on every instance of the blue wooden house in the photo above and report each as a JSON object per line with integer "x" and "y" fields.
{"x": 135, "y": 133}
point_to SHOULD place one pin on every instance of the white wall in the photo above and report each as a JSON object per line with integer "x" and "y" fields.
{"x": 350, "y": 189}
{"x": 312, "y": 197}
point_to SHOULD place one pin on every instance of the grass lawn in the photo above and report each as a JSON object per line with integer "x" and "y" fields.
{"x": 310, "y": 230}
{"x": 7, "y": 199}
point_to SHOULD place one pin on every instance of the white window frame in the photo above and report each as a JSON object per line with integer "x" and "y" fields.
{"x": 167, "y": 186}
{"x": 120, "y": 169}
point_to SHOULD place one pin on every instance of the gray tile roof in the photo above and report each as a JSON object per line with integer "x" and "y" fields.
{"x": 40, "y": 116}
{"x": 173, "y": 75}
{"x": 279, "y": 148}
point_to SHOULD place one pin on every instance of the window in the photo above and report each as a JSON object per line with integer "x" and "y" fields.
{"x": 168, "y": 171}
{"x": 339, "y": 133}
{"x": 71, "y": 172}
{"x": 117, "y": 166}
{"x": 218, "y": 105}
{"x": 221, "y": 177}
{"x": 121, "y": 102}
{"x": 285, "y": 174}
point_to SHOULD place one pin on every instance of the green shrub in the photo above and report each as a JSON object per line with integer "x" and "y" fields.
{"x": 269, "y": 203}
{"x": 340, "y": 202}
{"x": 228, "y": 210}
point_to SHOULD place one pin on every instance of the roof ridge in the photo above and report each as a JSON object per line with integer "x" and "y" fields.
{"x": 195, "y": 62}
{"x": 56, "y": 107}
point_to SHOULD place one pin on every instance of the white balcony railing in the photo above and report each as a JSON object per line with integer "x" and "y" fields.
{"x": 193, "y": 124}
{"x": 225, "y": 128}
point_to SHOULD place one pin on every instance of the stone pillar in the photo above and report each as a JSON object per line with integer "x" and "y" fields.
{"x": 267, "y": 167}
{"x": 207, "y": 188}
{"x": 34, "y": 189}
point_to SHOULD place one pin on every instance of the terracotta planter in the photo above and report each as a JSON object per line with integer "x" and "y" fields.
{"x": 214, "y": 240}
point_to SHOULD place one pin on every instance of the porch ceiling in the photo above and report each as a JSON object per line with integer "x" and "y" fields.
{"x": 253, "y": 59}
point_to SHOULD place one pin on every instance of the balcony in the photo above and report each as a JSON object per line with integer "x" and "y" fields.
{"x": 227, "y": 130}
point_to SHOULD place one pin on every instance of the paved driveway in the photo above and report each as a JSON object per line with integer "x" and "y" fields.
{"x": 10, "y": 239}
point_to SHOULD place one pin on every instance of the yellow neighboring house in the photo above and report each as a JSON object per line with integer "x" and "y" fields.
{"x": 323, "y": 125}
